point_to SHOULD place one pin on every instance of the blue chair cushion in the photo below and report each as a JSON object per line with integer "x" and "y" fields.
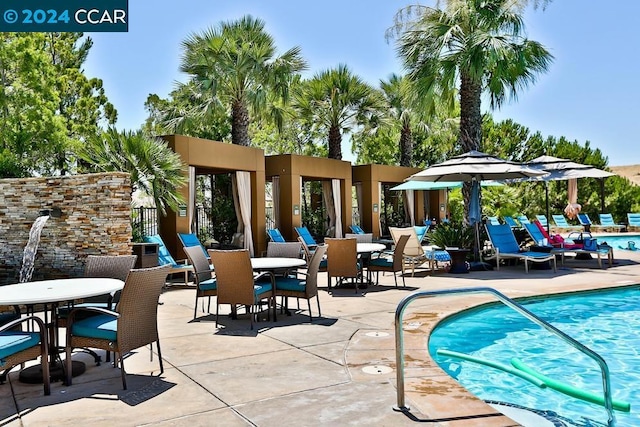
{"x": 261, "y": 288}
{"x": 381, "y": 262}
{"x": 440, "y": 256}
{"x": 275, "y": 235}
{"x": 164, "y": 257}
{"x": 102, "y": 326}
{"x": 12, "y": 342}
{"x": 323, "y": 263}
{"x": 290, "y": 284}
{"x": 7, "y": 317}
{"x": 208, "y": 285}
{"x": 190, "y": 239}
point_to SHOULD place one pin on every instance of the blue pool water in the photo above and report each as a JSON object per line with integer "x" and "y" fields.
{"x": 620, "y": 241}
{"x": 608, "y": 322}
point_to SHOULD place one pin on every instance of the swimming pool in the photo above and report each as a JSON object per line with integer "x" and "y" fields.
{"x": 607, "y": 321}
{"x": 620, "y": 241}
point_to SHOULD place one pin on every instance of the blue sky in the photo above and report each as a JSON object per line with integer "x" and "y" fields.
{"x": 590, "y": 93}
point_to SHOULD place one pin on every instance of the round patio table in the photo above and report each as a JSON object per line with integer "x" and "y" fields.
{"x": 51, "y": 293}
{"x": 276, "y": 263}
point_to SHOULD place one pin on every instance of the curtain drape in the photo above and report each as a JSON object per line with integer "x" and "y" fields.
{"x": 327, "y": 197}
{"x": 380, "y": 209}
{"x": 573, "y": 208}
{"x": 275, "y": 199}
{"x": 191, "y": 209}
{"x": 410, "y": 206}
{"x": 244, "y": 197}
{"x": 335, "y": 186}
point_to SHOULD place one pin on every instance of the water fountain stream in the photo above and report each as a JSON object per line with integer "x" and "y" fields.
{"x": 31, "y": 248}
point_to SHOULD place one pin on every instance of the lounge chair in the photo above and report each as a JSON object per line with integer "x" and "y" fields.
{"x": 522, "y": 219}
{"x": 493, "y": 220}
{"x": 562, "y": 224}
{"x": 165, "y": 258}
{"x": 510, "y": 222}
{"x": 190, "y": 239}
{"x": 633, "y": 221}
{"x": 275, "y": 235}
{"x": 543, "y": 220}
{"x": 556, "y": 240}
{"x": 607, "y": 222}
{"x": 414, "y": 254}
{"x": 574, "y": 243}
{"x": 506, "y": 246}
{"x": 356, "y": 229}
{"x": 305, "y": 234}
{"x": 586, "y": 222}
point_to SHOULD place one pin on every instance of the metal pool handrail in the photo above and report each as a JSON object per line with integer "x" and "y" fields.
{"x": 402, "y": 305}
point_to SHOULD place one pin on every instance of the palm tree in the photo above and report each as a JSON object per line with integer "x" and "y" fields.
{"x": 337, "y": 101}
{"x": 154, "y": 168}
{"x": 474, "y": 47}
{"x": 237, "y": 63}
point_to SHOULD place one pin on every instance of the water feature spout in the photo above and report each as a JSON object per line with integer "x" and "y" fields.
{"x": 53, "y": 212}
{"x": 31, "y": 248}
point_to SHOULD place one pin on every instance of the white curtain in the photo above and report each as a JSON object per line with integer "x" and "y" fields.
{"x": 244, "y": 197}
{"x": 573, "y": 208}
{"x": 191, "y": 209}
{"x": 380, "y": 208}
{"x": 410, "y": 205}
{"x": 335, "y": 186}
{"x": 275, "y": 199}
{"x": 328, "y": 203}
{"x": 359, "y": 197}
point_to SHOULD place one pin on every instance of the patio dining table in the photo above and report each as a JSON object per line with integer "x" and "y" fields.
{"x": 51, "y": 293}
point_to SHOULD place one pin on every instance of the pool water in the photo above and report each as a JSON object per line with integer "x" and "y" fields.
{"x": 607, "y": 322}
{"x": 621, "y": 241}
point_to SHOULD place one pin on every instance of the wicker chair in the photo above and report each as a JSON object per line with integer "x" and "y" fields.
{"x": 237, "y": 284}
{"x": 342, "y": 260}
{"x": 17, "y": 347}
{"x": 394, "y": 264}
{"x": 133, "y": 324}
{"x": 206, "y": 285}
{"x": 308, "y": 254}
{"x": 360, "y": 237}
{"x": 306, "y": 287}
{"x": 285, "y": 250}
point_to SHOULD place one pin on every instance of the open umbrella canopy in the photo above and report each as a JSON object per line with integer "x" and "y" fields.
{"x": 427, "y": 185}
{"x": 562, "y": 169}
{"x": 475, "y": 165}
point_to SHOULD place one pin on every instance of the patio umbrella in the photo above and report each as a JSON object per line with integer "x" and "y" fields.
{"x": 475, "y": 167}
{"x": 566, "y": 170}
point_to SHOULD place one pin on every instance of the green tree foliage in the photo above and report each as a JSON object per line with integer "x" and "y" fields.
{"x": 154, "y": 168}
{"x": 236, "y": 64}
{"x": 336, "y": 102}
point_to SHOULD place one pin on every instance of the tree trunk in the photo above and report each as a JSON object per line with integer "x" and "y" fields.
{"x": 406, "y": 146}
{"x": 240, "y": 124}
{"x": 335, "y": 143}
{"x": 470, "y": 137}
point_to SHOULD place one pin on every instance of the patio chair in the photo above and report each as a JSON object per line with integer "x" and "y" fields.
{"x": 308, "y": 254}
{"x": 633, "y": 220}
{"x": 556, "y": 240}
{"x": 562, "y": 224}
{"x": 305, "y": 234}
{"x": 421, "y": 232}
{"x": 493, "y": 220}
{"x": 522, "y": 219}
{"x": 206, "y": 285}
{"x": 237, "y": 284}
{"x": 165, "y": 258}
{"x": 133, "y": 324}
{"x": 585, "y": 222}
{"x": 190, "y": 239}
{"x": 414, "y": 254}
{"x": 607, "y": 222}
{"x": 285, "y": 250}
{"x": 543, "y": 220}
{"x": 506, "y": 246}
{"x": 360, "y": 238}
{"x": 356, "y": 229}
{"x": 510, "y": 222}
{"x": 18, "y": 347}
{"x": 303, "y": 285}
{"x": 393, "y": 265}
{"x": 275, "y": 235}
{"x": 342, "y": 261}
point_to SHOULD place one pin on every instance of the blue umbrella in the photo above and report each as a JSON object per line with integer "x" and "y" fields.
{"x": 475, "y": 214}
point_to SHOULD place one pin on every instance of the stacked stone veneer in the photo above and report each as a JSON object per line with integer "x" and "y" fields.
{"x": 96, "y": 210}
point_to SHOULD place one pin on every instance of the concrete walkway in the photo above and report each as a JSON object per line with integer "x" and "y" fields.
{"x": 337, "y": 371}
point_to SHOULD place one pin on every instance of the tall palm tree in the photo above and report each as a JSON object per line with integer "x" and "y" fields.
{"x": 337, "y": 101}
{"x": 237, "y": 63}
{"x": 474, "y": 47}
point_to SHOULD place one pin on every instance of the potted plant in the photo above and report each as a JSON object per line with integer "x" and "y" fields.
{"x": 457, "y": 239}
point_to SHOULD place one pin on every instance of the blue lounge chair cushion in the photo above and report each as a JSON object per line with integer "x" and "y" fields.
{"x": 208, "y": 285}
{"x": 164, "y": 257}
{"x": 356, "y": 229}
{"x": 12, "y": 342}
{"x": 304, "y": 233}
{"x": 275, "y": 235}
{"x": 634, "y": 219}
{"x": 102, "y": 326}
{"x": 584, "y": 219}
{"x": 190, "y": 239}
{"x": 510, "y": 221}
{"x": 290, "y": 284}
{"x": 441, "y": 256}
{"x": 260, "y": 288}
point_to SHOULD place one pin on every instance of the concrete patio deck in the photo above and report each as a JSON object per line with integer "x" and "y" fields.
{"x": 291, "y": 372}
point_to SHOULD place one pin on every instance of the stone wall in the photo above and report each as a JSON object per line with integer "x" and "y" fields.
{"x": 95, "y": 220}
